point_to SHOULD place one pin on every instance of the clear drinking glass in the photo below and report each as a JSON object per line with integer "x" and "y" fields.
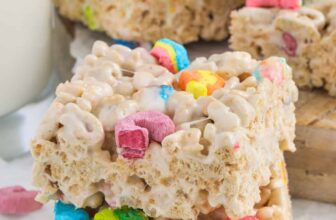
{"x": 25, "y": 61}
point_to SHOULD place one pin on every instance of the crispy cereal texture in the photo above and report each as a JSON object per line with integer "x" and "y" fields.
{"x": 183, "y": 21}
{"x": 307, "y": 38}
{"x": 226, "y": 154}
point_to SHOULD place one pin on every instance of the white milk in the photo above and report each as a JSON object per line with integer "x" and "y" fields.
{"x": 25, "y": 44}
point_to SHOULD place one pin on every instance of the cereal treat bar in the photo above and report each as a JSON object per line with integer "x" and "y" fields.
{"x": 183, "y": 21}
{"x": 305, "y": 37}
{"x": 128, "y": 137}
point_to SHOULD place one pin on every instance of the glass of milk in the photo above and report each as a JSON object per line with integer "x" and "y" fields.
{"x": 25, "y": 70}
{"x": 25, "y": 49}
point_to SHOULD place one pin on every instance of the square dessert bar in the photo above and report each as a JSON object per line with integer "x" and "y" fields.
{"x": 206, "y": 142}
{"x": 305, "y": 37}
{"x": 184, "y": 20}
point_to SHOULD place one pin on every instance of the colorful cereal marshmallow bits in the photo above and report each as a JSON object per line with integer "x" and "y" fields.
{"x": 284, "y": 4}
{"x": 200, "y": 82}
{"x": 133, "y": 133}
{"x": 171, "y": 55}
{"x": 139, "y": 135}
{"x": 16, "y": 200}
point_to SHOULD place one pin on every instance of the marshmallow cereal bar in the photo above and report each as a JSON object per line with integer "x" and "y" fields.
{"x": 183, "y": 21}
{"x": 306, "y": 37}
{"x": 128, "y": 137}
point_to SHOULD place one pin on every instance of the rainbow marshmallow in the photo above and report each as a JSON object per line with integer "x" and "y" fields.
{"x": 171, "y": 55}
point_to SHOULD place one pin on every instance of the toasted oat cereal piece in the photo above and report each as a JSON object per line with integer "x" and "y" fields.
{"x": 183, "y": 21}
{"x": 306, "y": 38}
{"x": 222, "y": 150}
